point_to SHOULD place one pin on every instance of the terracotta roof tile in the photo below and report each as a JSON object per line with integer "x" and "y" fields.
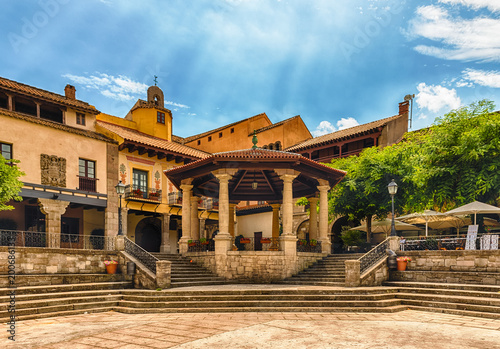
{"x": 348, "y": 132}
{"x": 178, "y": 139}
{"x": 46, "y": 95}
{"x": 56, "y": 125}
{"x": 139, "y": 137}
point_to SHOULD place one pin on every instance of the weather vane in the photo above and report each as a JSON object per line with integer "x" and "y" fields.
{"x": 156, "y": 79}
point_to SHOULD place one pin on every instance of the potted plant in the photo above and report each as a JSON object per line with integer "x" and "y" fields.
{"x": 137, "y": 193}
{"x": 265, "y": 241}
{"x": 313, "y": 242}
{"x": 244, "y": 241}
{"x": 154, "y": 196}
{"x": 303, "y": 242}
{"x": 203, "y": 241}
{"x": 111, "y": 266}
{"x": 191, "y": 243}
{"x": 402, "y": 262}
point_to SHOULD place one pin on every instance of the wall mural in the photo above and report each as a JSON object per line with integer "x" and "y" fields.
{"x": 157, "y": 180}
{"x": 123, "y": 173}
{"x": 53, "y": 170}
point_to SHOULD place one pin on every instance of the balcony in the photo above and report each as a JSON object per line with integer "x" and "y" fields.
{"x": 175, "y": 198}
{"x": 134, "y": 193}
{"x": 87, "y": 184}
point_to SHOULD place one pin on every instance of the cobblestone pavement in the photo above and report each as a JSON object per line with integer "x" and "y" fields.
{"x": 407, "y": 329}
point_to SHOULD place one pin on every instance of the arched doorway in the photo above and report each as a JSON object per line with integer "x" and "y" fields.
{"x": 337, "y": 243}
{"x": 148, "y": 234}
{"x": 303, "y": 230}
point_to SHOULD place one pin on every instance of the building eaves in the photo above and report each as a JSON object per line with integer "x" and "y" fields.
{"x": 342, "y": 134}
{"x": 265, "y": 128}
{"x": 57, "y": 126}
{"x": 31, "y": 91}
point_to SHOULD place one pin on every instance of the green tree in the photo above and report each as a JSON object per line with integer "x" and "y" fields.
{"x": 10, "y": 185}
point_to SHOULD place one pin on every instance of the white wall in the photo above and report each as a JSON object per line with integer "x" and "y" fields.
{"x": 247, "y": 225}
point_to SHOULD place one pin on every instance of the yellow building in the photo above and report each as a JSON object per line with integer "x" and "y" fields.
{"x": 152, "y": 207}
{"x": 68, "y": 166}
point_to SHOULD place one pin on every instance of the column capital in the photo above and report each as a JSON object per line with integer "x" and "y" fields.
{"x": 313, "y": 200}
{"x": 186, "y": 181}
{"x": 275, "y": 207}
{"x": 186, "y": 187}
{"x": 223, "y": 177}
{"x": 323, "y": 188}
{"x": 288, "y": 177}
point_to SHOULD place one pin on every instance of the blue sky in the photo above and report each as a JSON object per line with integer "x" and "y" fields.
{"x": 336, "y": 63}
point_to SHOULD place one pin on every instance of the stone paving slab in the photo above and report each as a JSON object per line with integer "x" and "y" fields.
{"x": 406, "y": 329}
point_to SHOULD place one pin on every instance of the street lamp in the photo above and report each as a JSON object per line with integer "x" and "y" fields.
{"x": 120, "y": 190}
{"x": 393, "y": 189}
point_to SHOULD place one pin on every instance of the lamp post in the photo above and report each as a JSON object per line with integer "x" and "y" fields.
{"x": 120, "y": 190}
{"x": 393, "y": 189}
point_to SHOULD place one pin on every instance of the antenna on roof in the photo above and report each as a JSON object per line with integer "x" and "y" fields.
{"x": 410, "y": 98}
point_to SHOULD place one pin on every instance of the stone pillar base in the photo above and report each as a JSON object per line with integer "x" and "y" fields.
{"x": 120, "y": 243}
{"x": 394, "y": 243}
{"x": 163, "y": 273}
{"x": 352, "y": 273}
{"x": 326, "y": 246}
{"x": 183, "y": 245}
{"x": 289, "y": 246}
{"x": 222, "y": 243}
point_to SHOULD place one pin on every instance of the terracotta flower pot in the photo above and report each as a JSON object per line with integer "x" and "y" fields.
{"x": 111, "y": 269}
{"x": 402, "y": 265}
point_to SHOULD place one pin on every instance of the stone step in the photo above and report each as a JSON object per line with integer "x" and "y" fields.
{"x": 460, "y": 312}
{"x": 464, "y": 277}
{"x": 450, "y": 292}
{"x": 484, "y": 309}
{"x": 262, "y": 304}
{"x": 384, "y": 309}
{"x": 52, "y": 295}
{"x": 197, "y": 283}
{"x": 313, "y": 283}
{"x": 466, "y": 300}
{"x": 189, "y": 278}
{"x": 37, "y": 315}
{"x": 51, "y": 302}
{"x": 67, "y": 288}
{"x": 58, "y": 279}
{"x": 441, "y": 285}
{"x": 317, "y": 279}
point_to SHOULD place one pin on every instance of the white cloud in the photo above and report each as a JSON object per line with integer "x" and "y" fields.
{"x": 175, "y": 104}
{"x": 326, "y": 127}
{"x": 346, "y": 123}
{"x": 481, "y": 77}
{"x": 456, "y": 38}
{"x": 492, "y": 5}
{"x": 323, "y": 128}
{"x": 436, "y": 97}
{"x": 121, "y": 88}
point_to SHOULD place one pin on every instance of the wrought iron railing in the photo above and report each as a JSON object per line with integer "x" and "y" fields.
{"x": 309, "y": 246}
{"x": 87, "y": 184}
{"x": 201, "y": 246}
{"x": 52, "y": 240}
{"x": 141, "y": 254}
{"x": 373, "y": 256}
{"x": 446, "y": 243}
{"x": 175, "y": 198}
{"x": 133, "y": 192}
{"x": 250, "y": 244}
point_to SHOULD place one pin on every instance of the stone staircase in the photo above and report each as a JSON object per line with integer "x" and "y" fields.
{"x": 459, "y": 299}
{"x": 40, "y": 296}
{"x": 185, "y": 273}
{"x": 329, "y": 271}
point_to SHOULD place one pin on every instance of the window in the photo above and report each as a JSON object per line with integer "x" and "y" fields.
{"x": 140, "y": 183}
{"x": 209, "y": 138}
{"x": 80, "y": 119}
{"x": 86, "y": 172}
{"x": 232, "y": 129}
{"x": 6, "y": 150}
{"x": 220, "y": 134}
{"x": 199, "y": 142}
{"x": 160, "y": 117}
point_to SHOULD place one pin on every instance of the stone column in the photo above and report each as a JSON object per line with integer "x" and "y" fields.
{"x": 313, "y": 218}
{"x": 202, "y": 228}
{"x": 275, "y": 227}
{"x": 323, "y": 218}
{"x": 111, "y": 212}
{"x": 195, "y": 223}
{"x": 165, "y": 234}
{"x": 125, "y": 221}
{"x": 352, "y": 273}
{"x": 231, "y": 219}
{"x": 53, "y": 210}
{"x": 287, "y": 207}
{"x": 186, "y": 218}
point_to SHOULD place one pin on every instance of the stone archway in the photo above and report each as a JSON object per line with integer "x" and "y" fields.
{"x": 148, "y": 234}
{"x": 302, "y": 231}
{"x": 337, "y": 243}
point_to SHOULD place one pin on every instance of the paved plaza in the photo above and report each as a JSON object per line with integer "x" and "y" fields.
{"x": 407, "y": 329}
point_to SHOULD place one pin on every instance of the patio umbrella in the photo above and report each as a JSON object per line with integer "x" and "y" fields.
{"x": 474, "y": 208}
{"x": 384, "y": 226}
{"x": 458, "y": 222}
{"x": 423, "y": 218}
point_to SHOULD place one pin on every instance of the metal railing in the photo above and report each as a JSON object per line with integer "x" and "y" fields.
{"x": 87, "y": 184}
{"x": 448, "y": 242}
{"x": 373, "y": 256}
{"x": 175, "y": 198}
{"x": 263, "y": 244}
{"x": 51, "y": 240}
{"x": 199, "y": 246}
{"x": 308, "y": 246}
{"x": 141, "y": 254}
{"x": 133, "y": 192}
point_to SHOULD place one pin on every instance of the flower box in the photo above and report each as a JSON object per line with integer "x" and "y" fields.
{"x": 244, "y": 241}
{"x": 265, "y": 241}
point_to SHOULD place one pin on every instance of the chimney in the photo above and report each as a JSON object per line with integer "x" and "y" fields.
{"x": 70, "y": 92}
{"x": 404, "y": 107}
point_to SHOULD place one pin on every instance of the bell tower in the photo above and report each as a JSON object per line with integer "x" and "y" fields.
{"x": 155, "y": 96}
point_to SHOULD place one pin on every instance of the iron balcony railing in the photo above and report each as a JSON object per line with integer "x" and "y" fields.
{"x": 201, "y": 246}
{"x": 373, "y": 256}
{"x": 133, "y": 192}
{"x": 175, "y": 198}
{"x": 262, "y": 244}
{"x": 87, "y": 184}
{"x": 206, "y": 203}
{"x": 309, "y": 246}
{"x": 141, "y": 254}
{"x": 51, "y": 240}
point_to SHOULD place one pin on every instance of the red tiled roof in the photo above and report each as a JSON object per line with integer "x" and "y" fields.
{"x": 56, "y": 125}
{"x": 201, "y": 135}
{"x": 177, "y": 139}
{"x": 46, "y": 95}
{"x": 342, "y": 134}
{"x": 139, "y": 137}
